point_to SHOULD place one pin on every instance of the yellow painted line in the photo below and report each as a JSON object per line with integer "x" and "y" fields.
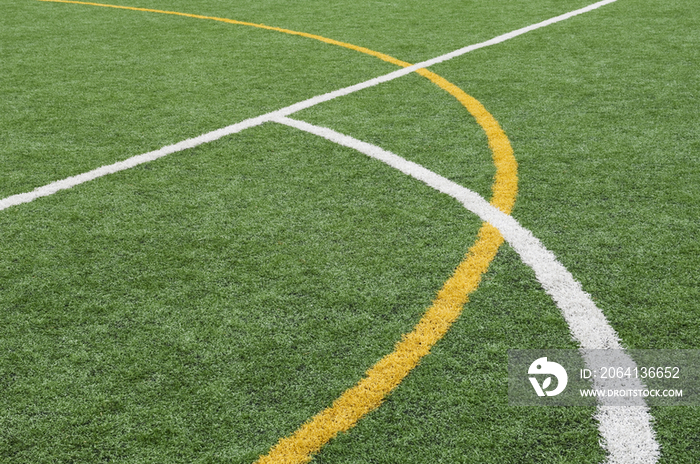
{"x": 381, "y": 56}
{"x": 505, "y": 185}
{"x": 388, "y": 373}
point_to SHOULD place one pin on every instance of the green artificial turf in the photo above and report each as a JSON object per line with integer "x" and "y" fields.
{"x": 200, "y": 307}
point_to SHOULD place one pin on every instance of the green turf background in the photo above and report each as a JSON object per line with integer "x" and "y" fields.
{"x": 200, "y": 307}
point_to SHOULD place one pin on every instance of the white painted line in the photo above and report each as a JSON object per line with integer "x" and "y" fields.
{"x": 510, "y": 35}
{"x": 69, "y": 182}
{"x": 626, "y": 430}
{"x": 424, "y": 64}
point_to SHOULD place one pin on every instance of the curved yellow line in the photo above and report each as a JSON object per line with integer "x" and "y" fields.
{"x": 381, "y": 56}
{"x": 386, "y": 374}
{"x": 505, "y": 182}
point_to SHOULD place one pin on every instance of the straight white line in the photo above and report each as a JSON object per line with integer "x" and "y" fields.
{"x": 69, "y": 182}
{"x": 424, "y": 64}
{"x": 508, "y": 35}
{"x": 626, "y": 430}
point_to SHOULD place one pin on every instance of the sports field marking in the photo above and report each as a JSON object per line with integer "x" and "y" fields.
{"x": 72, "y": 181}
{"x": 368, "y": 394}
{"x": 423, "y": 64}
{"x": 627, "y": 432}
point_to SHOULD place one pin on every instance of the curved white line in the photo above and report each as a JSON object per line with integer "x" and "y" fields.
{"x": 626, "y": 430}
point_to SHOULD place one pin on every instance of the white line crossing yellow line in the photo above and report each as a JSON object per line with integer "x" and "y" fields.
{"x": 69, "y": 182}
{"x": 627, "y": 432}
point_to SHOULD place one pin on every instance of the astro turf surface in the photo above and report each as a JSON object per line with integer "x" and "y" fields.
{"x": 200, "y": 307}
